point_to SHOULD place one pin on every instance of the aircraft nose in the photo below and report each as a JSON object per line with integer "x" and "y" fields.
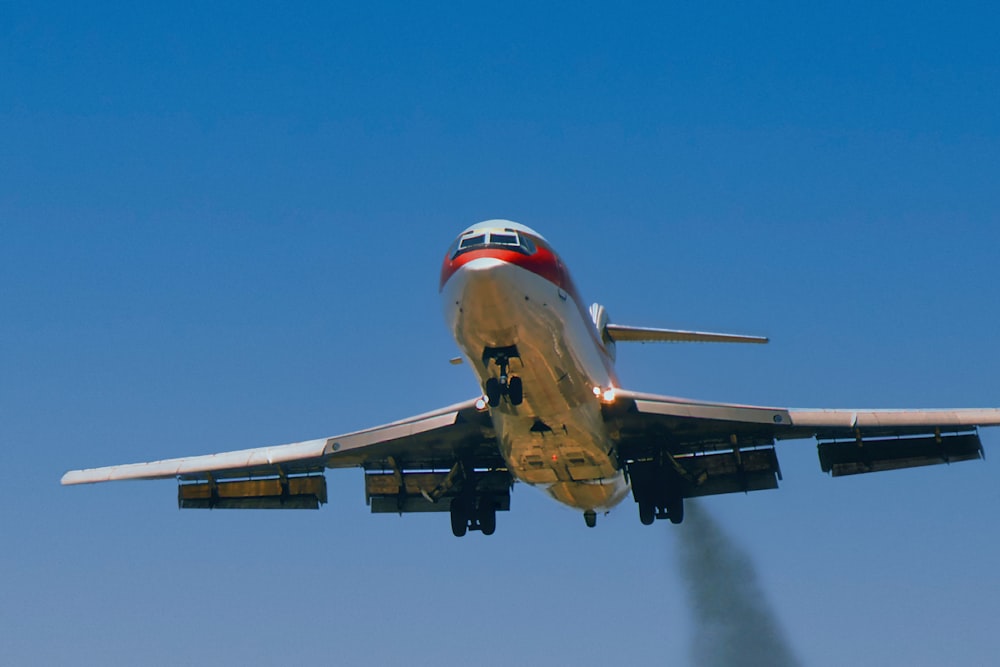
{"x": 485, "y": 281}
{"x": 483, "y": 274}
{"x": 482, "y": 266}
{"x": 476, "y": 269}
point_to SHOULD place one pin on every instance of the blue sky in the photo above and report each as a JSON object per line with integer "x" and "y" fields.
{"x": 221, "y": 227}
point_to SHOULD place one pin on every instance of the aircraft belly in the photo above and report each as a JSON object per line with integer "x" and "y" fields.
{"x": 574, "y": 462}
{"x": 556, "y": 438}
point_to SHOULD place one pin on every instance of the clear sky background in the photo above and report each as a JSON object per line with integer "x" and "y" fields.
{"x": 221, "y": 227}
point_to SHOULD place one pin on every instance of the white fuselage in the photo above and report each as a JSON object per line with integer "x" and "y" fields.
{"x": 556, "y": 438}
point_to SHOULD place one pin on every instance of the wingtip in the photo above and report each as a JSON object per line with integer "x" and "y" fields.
{"x": 74, "y": 477}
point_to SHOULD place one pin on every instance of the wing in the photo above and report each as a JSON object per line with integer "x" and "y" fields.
{"x": 705, "y": 448}
{"x": 417, "y": 461}
{"x": 622, "y": 333}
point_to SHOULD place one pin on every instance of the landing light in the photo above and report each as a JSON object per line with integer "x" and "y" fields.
{"x": 481, "y": 404}
{"x": 605, "y": 395}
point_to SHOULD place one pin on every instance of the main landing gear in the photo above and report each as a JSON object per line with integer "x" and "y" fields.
{"x": 505, "y": 385}
{"x": 672, "y": 508}
{"x": 658, "y": 488}
{"x": 473, "y": 513}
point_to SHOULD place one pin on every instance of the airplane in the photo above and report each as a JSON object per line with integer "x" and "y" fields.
{"x": 553, "y": 414}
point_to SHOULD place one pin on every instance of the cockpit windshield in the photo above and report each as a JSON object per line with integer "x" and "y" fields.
{"x": 472, "y": 241}
{"x": 509, "y": 239}
{"x": 503, "y": 239}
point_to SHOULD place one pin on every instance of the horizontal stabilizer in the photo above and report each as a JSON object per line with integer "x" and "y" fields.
{"x": 621, "y": 333}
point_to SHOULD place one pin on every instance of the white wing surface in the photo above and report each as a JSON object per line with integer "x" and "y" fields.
{"x": 300, "y": 456}
{"x": 704, "y": 448}
{"x": 431, "y": 440}
{"x": 790, "y": 423}
{"x": 623, "y": 333}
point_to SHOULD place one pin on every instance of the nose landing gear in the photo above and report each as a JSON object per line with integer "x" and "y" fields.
{"x": 505, "y": 385}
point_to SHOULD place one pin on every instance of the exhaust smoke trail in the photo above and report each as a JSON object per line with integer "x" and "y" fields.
{"x": 734, "y": 624}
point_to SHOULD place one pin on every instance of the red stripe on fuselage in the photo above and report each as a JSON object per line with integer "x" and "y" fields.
{"x": 542, "y": 262}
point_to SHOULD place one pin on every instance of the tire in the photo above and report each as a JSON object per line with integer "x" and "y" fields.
{"x": 493, "y": 392}
{"x": 675, "y": 510}
{"x": 459, "y": 524}
{"x": 488, "y": 520}
{"x": 515, "y": 391}
{"x": 647, "y": 513}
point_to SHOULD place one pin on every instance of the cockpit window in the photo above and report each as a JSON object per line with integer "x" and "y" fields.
{"x": 503, "y": 239}
{"x": 508, "y": 239}
{"x": 472, "y": 241}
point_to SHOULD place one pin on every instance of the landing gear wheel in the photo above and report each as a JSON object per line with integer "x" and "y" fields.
{"x": 675, "y": 510}
{"x": 488, "y": 519}
{"x": 515, "y": 391}
{"x": 647, "y": 513}
{"x": 590, "y": 516}
{"x": 493, "y": 392}
{"x": 459, "y": 522}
